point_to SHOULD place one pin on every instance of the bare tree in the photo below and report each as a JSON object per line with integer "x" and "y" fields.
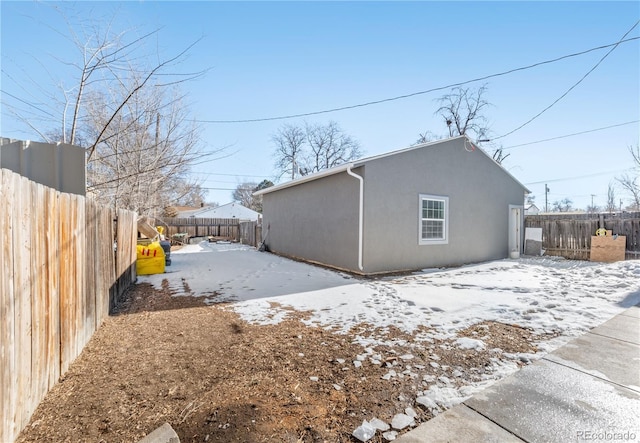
{"x": 243, "y": 194}
{"x": 564, "y": 205}
{"x": 313, "y": 148}
{"x": 328, "y": 146}
{"x": 499, "y": 156}
{"x": 121, "y": 106}
{"x": 630, "y": 182}
{"x": 426, "y": 137}
{"x": 289, "y": 141}
{"x": 144, "y": 157}
{"x": 463, "y": 112}
{"x": 611, "y": 199}
{"x": 186, "y": 193}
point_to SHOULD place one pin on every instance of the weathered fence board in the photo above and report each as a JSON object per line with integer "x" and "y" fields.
{"x": 127, "y": 232}
{"x": 250, "y": 233}
{"x": 569, "y": 235}
{"x": 57, "y": 278}
{"x": 22, "y": 274}
{"x": 227, "y": 228}
{"x": 38, "y": 300}
{"x": 52, "y": 275}
{"x": 8, "y": 393}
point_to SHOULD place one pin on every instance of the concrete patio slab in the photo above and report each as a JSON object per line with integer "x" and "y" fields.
{"x": 548, "y": 402}
{"x": 604, "y": 357}
{"x": 457, "y": 425}
{"x": 634, "y": 311}
{"x": 622, "y": 327}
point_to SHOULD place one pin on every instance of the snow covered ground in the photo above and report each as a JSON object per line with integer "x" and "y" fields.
{"x": 544, "y": 293}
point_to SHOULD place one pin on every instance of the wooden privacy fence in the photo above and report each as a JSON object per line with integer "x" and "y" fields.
{"x": 250, "y": 233}
{"x": 569, "y": 235}
{"x": 59, "y": 276}
{"x": 227, "y": 228}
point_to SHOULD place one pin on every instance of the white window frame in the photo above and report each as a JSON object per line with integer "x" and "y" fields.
{"x": 433, "y": 241}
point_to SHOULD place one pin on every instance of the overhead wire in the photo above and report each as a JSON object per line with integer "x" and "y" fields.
{"x": 571, "y": 135}
{"x": 505, "y": 148}
{"x": 427, "y": 91}
{"x": 577, "y": 177}
{"x": 571, "y": 88}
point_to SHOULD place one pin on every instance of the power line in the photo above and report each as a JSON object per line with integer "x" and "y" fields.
{"x": 231, "y": 175}
{"x": 218, "y": 189}
{"x": 571, "y": 135}
{"x": 571, "y": 88}
{"x": 413, "y": 94}
{"x": 508, "y": 147}
{"x": 27, "y": 103}
{"x": 579, "y": 177}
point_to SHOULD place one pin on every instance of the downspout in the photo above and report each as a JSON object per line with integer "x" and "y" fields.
{"x": 360, "y": 214}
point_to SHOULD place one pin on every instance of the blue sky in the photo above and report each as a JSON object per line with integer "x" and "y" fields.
{"x": 278, "y": 58}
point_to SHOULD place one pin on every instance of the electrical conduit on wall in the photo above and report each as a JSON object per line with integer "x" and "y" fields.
{"x": 360, "y": 213}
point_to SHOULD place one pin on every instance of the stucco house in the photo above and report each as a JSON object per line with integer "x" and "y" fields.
{"x": 531, "y": 209}
{"x": 442, "y": 203}
{"x": 230, "y": 210}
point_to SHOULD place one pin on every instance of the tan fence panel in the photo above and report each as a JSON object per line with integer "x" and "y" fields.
{"x": 227, "y": 228}
{"x": 250, "y": 233}
{"x": 67, "y": 323}
{"x": 57, "y": 277}
{"x": 569, "y": 235}
{"x": 127, "y": 234}
{"x": 22, "y": 293}
{"x": 8, "y": 346}
{"x": 99, "y": 265}
{"x": 104, "y": 268}
{"x": 52, "y": 275}
{"x": 38, "y": 296}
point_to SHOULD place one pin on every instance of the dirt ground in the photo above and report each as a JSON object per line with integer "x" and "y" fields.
{"x": 215, "y": 378}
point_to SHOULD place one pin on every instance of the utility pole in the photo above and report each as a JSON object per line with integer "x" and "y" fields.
{"x": 546, "y": 204}
{"x": 592, "y": 195}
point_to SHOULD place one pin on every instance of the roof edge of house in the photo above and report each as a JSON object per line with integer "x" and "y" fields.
{"x": 357, "y": 163}
{"x": 305, "y": 178}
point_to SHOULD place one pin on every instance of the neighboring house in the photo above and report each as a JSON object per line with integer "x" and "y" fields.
{"x": 531, "y": 209}
{"x": 230, "y": 210}
{"x": 56, "y": 165}
{"x": 442, "y": 203}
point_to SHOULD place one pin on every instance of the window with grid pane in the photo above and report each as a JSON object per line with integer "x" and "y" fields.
{"x": 433, "y": 219}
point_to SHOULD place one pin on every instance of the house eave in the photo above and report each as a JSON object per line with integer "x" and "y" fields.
{"x": 361, "y": 162}
{"x": 304, "y": 179}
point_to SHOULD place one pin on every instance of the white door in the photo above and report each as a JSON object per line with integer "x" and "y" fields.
{"x": 515, "y": 228}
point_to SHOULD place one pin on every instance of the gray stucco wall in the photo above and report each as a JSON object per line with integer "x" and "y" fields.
{"x": 317, "y": 221}
{"x": 479, "y": 195}
{"x": 59, "y": 166}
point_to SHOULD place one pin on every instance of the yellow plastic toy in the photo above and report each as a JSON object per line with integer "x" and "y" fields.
{"x": 150, "y": 259}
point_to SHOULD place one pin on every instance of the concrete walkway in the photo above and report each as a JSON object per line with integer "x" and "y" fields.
{"x": 587, "y": 390}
